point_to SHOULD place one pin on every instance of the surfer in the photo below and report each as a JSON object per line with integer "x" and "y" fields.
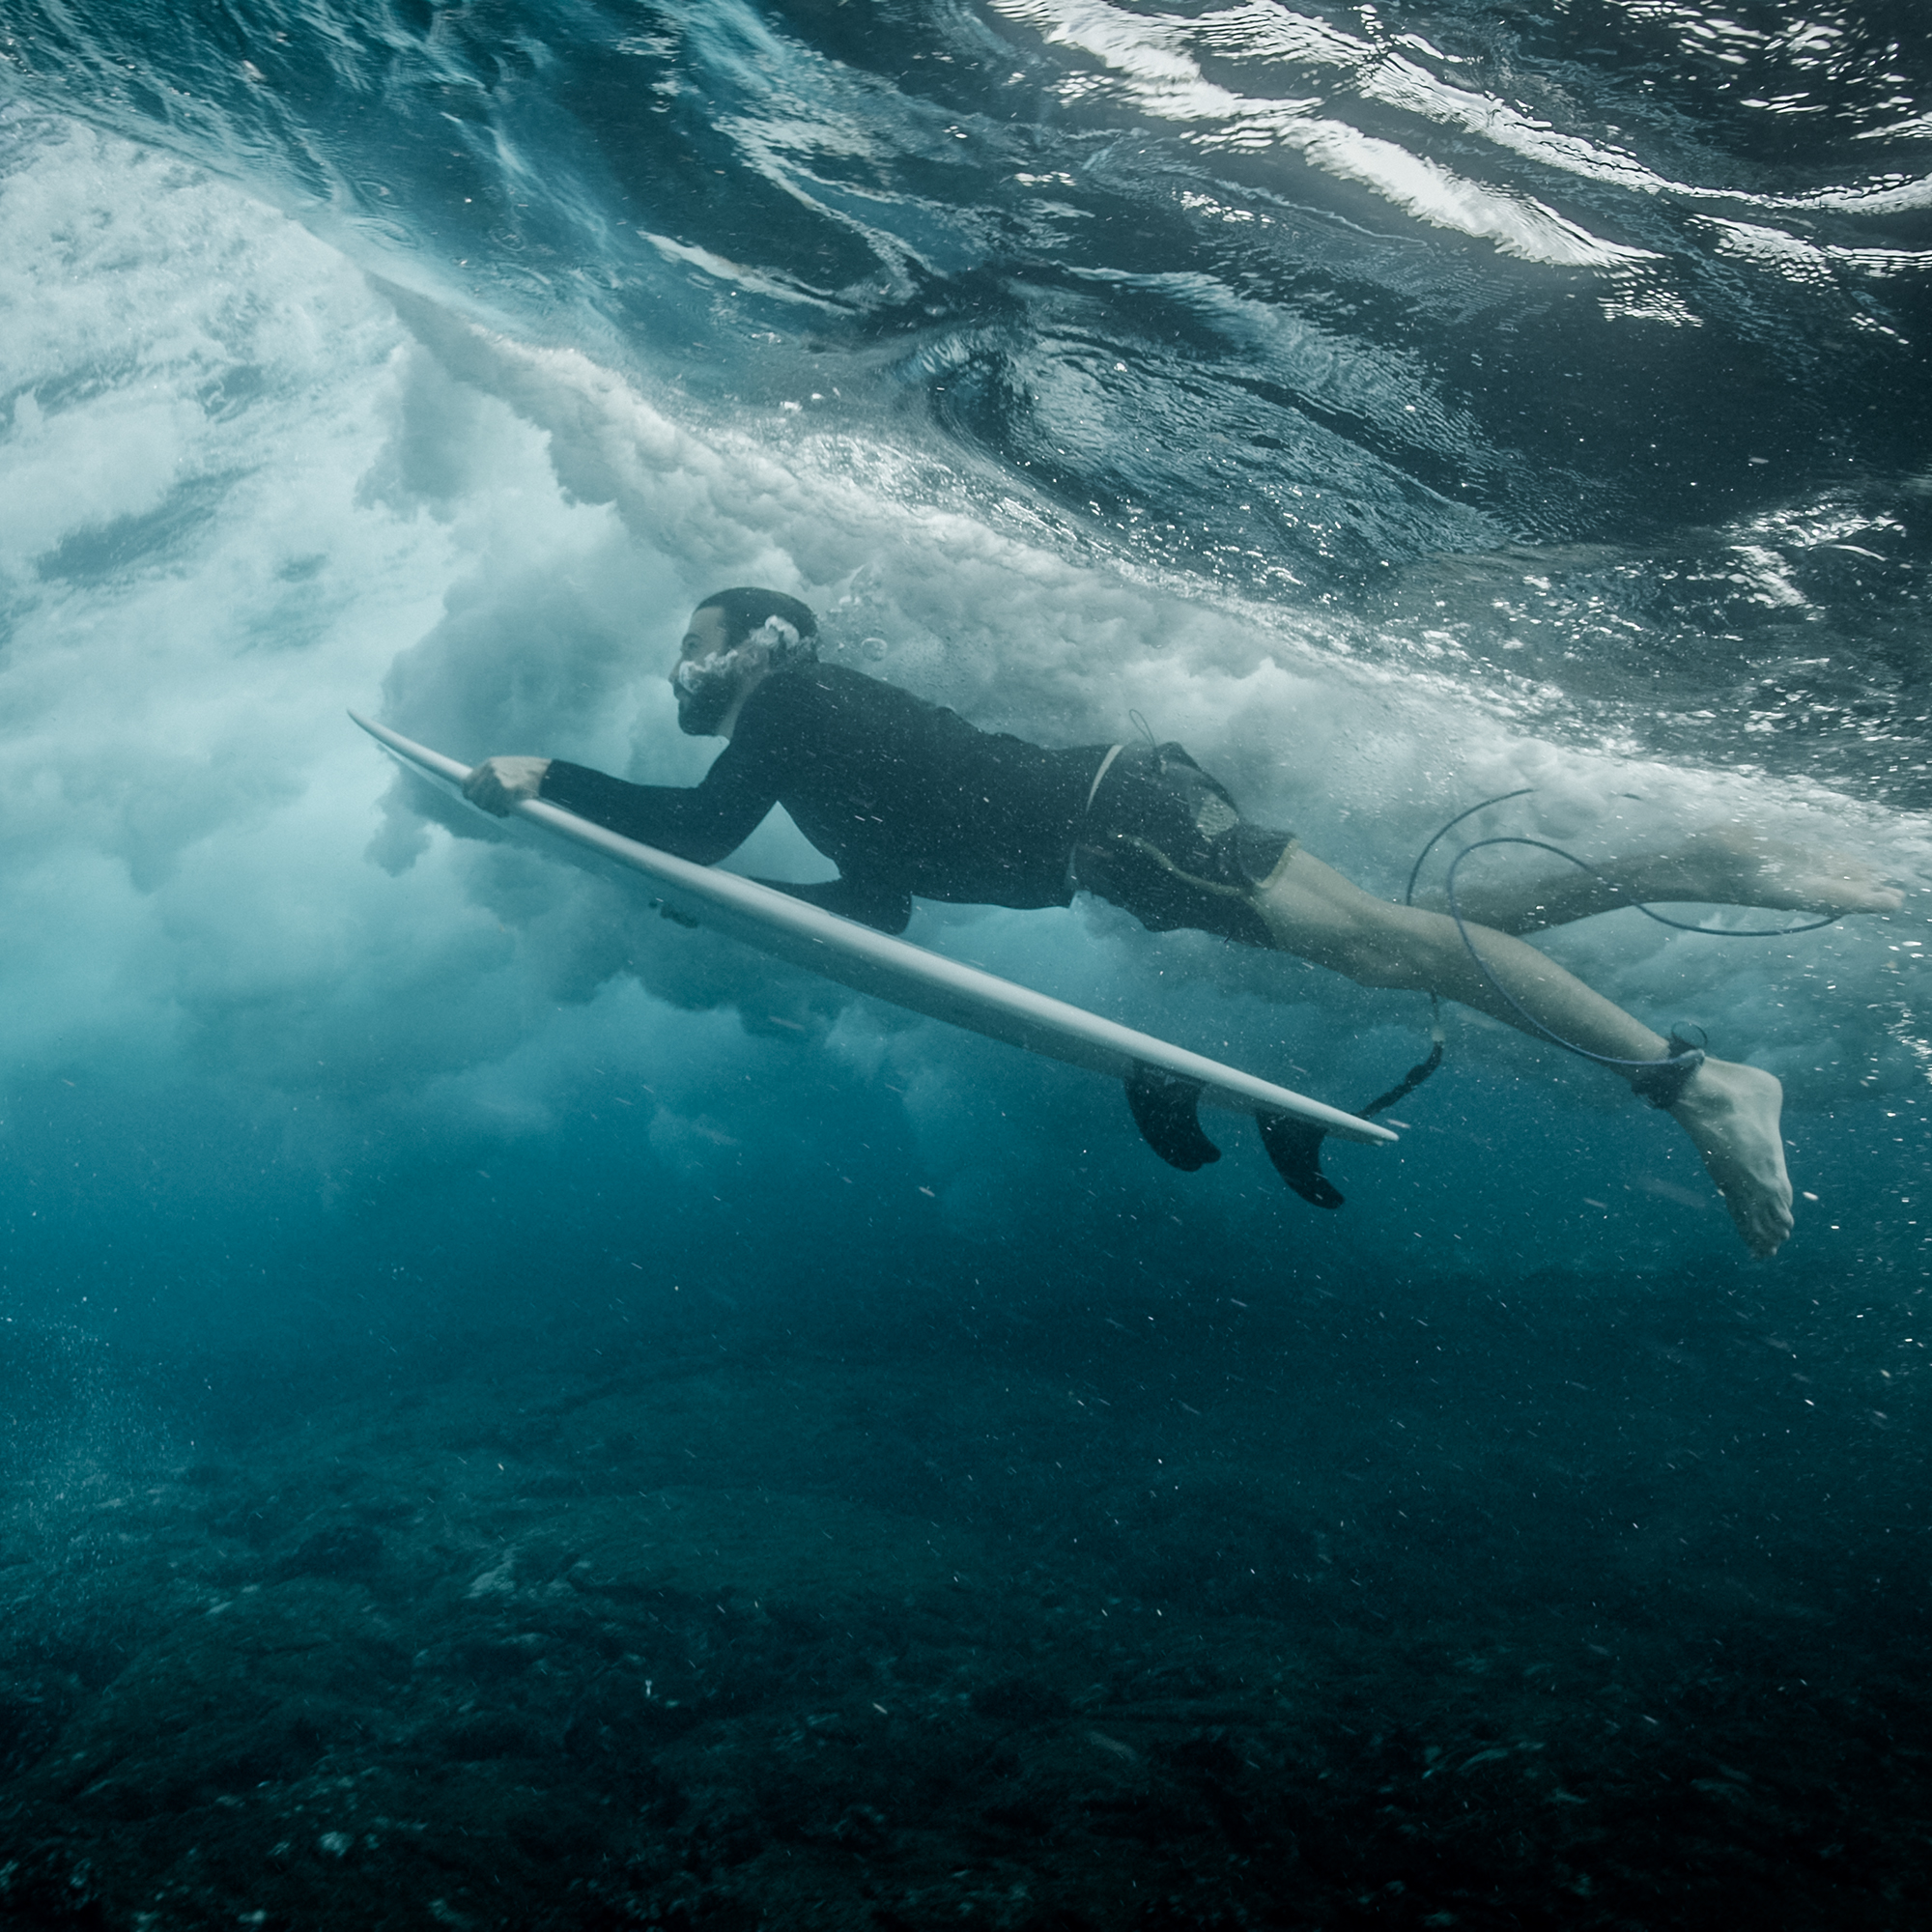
{"x": 909, "y": 800}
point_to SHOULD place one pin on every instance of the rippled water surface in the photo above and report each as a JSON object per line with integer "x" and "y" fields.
{"x": 1302, "y": 303}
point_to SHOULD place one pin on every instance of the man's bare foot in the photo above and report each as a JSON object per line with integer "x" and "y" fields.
{"x": 1729, "y": 865}
{"x": 1731, "y": 1114}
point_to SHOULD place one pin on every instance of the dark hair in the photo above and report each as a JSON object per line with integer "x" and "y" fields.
{"x": 746, "y": 607}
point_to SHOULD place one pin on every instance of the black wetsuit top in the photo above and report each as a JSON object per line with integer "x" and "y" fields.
{"x": 903, "y": 796}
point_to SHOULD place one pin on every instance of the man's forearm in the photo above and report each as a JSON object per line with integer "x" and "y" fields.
{"x": 690, "y": 822}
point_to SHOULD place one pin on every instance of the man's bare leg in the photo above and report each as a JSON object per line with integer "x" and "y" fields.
{"x": 1730, "y": 1111}
{"x": 1725, "y": 865}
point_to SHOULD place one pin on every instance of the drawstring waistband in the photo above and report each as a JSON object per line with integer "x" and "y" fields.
{"x": 1094, "y": 789}
{"x": 1085, "y": 811}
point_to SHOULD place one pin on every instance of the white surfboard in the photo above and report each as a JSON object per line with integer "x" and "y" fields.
{"x": 924, "y": 982}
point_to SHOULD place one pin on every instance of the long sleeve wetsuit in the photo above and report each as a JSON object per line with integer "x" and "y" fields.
{"x": 903, "y": 796}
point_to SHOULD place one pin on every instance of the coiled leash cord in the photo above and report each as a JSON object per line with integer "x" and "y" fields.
{"x": 1295, "y": 1146}
{"x": 1661, "y": 1082}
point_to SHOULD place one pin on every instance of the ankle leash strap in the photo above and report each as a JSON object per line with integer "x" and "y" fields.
{"x": 1661, "y": 1082}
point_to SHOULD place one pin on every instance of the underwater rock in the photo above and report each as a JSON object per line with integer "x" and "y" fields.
{"x": 726, "y": 1705}
{"x": 1021, "y": 1700}
{"x": 345, "y": 1550}
{"x": 488, "y": 1734}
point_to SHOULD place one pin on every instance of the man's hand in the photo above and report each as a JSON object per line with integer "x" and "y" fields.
{"x": 499, "y": 784}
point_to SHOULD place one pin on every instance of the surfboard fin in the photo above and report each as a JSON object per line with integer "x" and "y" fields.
{"x": 1295, "y": 1145}
{"x": 1165, "y": 1109}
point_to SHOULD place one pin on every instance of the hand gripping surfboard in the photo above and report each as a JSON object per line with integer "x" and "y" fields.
{"x": 1166, "y": 1085}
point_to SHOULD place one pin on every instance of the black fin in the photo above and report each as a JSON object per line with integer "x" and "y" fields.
{"x": 1295, "y": 1145}
{"x": 1164, "y": 1108}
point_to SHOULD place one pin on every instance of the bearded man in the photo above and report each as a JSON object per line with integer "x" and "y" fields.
{"x": 910, "y": 801}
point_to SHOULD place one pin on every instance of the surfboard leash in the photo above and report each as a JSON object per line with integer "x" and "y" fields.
{"x": 1295, "y": 1145}
{"x": 1661, "y": 1082}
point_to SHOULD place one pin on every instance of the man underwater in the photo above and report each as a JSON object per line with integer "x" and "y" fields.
{"x": 909, "y": 800}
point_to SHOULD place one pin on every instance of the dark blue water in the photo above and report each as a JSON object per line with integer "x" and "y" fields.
{"x": 445, "y": 1304}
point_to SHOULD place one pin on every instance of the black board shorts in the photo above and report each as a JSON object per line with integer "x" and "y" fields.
{"x": 1166, "y": 842}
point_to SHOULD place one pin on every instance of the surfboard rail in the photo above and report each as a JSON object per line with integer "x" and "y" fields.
{"x": 905, "y": 974}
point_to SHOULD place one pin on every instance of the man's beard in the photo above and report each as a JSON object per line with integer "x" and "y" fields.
{"x": 703, "y": 698}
